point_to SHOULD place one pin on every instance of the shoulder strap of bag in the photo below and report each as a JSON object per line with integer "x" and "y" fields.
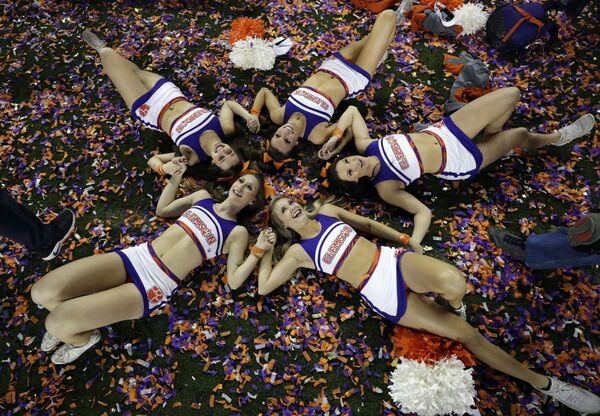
{"x": 526, "y": 16}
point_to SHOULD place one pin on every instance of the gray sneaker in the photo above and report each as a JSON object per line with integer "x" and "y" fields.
{"x": 572, "y": 396}
{"x": 49, "y": 342}
{"x": 93, "y": 40}
{"x": 511, "y": 243}
{"x": 68, "y": 353}
{"x": 580, "y": 127}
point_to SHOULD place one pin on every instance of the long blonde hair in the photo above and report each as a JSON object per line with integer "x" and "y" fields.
{"x": 286, "y": 236}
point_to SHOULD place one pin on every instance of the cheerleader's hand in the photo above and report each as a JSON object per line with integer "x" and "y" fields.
{"x": 328, "y": 150}
{"x": 417, "y": 248}
{"x": 266, "y": 239}
{"x": 176, "y": 170}
{"x": 180, "y": 160}
{"x": 253, "y": 124}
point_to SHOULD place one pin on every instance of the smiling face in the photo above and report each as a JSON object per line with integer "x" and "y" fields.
{"x": 244, "y": 190}
{"x": 224, "y": 157}
{"x": 284, "y": 139}
{"x": 352, "y": 168}
{"x": 289, "y": 213}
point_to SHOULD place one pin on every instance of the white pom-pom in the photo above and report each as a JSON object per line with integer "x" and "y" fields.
{"x": 436, "y": 389}
{"x": 471, "y": 17}
{"x": 252, "y": 53}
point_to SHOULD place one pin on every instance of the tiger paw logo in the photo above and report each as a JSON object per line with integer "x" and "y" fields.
{"x": 439, "y": 124}
{"x": 155, "y": 295}
{"x": 143, "y": 110}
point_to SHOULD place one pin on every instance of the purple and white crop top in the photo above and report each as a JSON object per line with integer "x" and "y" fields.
{"x": 312, "y": 104}
{"x": 331, "y": 246}
{"x": 188, "y": 127}
{"x": 206, "y": 228}
{"x": 399, "y": 159}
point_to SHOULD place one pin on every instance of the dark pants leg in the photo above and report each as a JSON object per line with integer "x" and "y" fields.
{"x": 21, "y": 225}
{"x": 552, "y": 250}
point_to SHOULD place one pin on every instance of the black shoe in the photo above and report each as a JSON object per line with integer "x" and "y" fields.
{"x": 511, "y": 243}
{"x": 63, "y": 225}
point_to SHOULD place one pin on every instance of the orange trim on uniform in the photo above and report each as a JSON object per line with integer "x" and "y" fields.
{"x": 321, "y": 93}
{"x": 414, "y": 148}
{"x": 444, "y": 152}
{"x": 193, "y": 237}
{"x": 185, "y": 113}
{"x": 162, "y": 265}
{"x": 336, "y": 76}
{"x": 367, "y": 276}
{"x": 164, "y": 109}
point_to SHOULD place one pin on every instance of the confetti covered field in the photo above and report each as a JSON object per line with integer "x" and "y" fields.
{"x": 312, "y": 347}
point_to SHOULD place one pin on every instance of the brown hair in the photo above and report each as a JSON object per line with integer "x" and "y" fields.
{"x": 286, "y": 236}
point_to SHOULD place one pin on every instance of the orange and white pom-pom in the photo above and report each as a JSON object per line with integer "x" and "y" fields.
{"x": 431, "y": 378}
{"x": 426, "y": 347}
{"x": 245, "y": 27}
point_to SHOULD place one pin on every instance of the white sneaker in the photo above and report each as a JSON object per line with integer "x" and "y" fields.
{"x": 93, "y": 40}
{"x": 462, "y": 311}
{"x": 49, "y": 342}
{"x": 572, "y": 396}
{"x": 383, "y": 58}
{"x": 403, "y": 10}
{"x": 68, "y": 353}
{"x": 580, "y": 127}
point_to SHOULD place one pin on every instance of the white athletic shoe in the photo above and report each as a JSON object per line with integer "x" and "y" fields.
{"x": 462, "y": 311}
{"x": 49, "y": 342}
{"x": 68, "y": 353}
{"x": 402, "y": 10}
{"x": 580, "y": 127}
{"x": 572, "y": 396}
{"x": 383, "y": 58}
{"x": 93, "y": 40}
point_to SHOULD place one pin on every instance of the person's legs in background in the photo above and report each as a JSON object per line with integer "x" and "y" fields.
{"x": 19, "y": 224}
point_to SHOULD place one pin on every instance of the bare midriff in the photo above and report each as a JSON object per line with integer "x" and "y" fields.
{"x": 172, "y": 112}
{"x": 358, "y": 262}
{"x": 429, "y": 150}
{"x": 177, "y": 251}
{"x": 328, "y": 85}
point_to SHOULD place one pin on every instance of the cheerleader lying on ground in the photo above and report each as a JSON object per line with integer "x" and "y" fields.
{"x": 160, "y": 105}
{"x": 392, "y": 282}
{"x": 96, "y": 291}
{"x": 444, "y": 149}
{"x": 307, "y": 113}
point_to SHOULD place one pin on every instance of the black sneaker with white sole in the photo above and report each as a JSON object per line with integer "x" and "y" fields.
{"x": 63, "y": 226}
{"x": 511, "y": 243}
